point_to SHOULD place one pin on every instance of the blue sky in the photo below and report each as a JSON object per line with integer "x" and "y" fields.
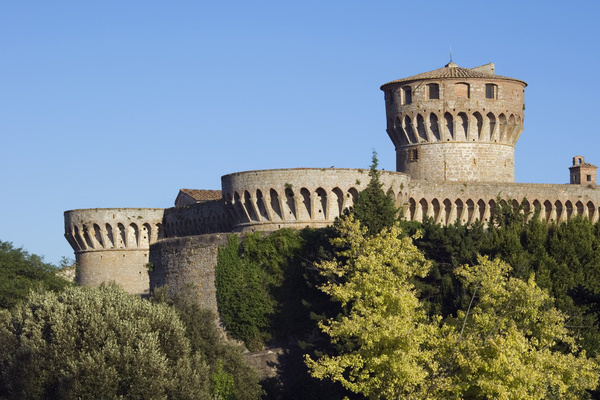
{"x": 122, "y": 103}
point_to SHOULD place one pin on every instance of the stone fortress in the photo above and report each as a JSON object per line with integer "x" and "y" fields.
{"x": 454, "y": 130}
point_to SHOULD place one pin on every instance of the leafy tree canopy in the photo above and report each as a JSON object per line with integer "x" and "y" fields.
{"x": 20, "y": 272}
{"x": 97, "y": 343}
{"x": 503, "y": 345}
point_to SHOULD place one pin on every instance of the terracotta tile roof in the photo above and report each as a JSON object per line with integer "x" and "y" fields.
{"x": 584, "y": 165}
{"x": 451, "y": 71}
{"x": 202, "y": 195}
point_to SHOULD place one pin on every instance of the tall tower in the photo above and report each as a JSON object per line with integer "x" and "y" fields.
{"x": 456, "y": 124}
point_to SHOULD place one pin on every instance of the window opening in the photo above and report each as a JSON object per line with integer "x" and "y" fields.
{"x": 491, "y": 91}
{"x": 407, "y": 95}
{"x": 434, "y": 91}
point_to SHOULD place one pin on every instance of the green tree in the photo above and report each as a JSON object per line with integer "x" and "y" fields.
{"x": 385, "y": 338}
{"x": 20, "y": 272}
{"x": 230, "y": 377}
{"x": 508, "y": 342}
{"x": 97, "y": 343}
{"x": 374, "y": 208}
{"x": 503, "y": 345}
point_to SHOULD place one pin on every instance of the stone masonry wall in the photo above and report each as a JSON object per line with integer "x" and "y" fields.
{"x": 111, "y": 244}
{"x": 446, "y": 202}
{"x": 187, "y": 264}
{"x": 295, "y": 198}
{"x": 471, "y": 162}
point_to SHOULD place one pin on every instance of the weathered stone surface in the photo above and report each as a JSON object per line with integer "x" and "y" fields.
{"x": 187, "y": 263}
{"x": 111, "y": 244}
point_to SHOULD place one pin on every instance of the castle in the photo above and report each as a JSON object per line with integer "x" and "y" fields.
{"x": 454, "y": 130}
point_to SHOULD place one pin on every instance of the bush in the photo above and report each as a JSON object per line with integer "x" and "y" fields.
{"x": 97, "y": 343}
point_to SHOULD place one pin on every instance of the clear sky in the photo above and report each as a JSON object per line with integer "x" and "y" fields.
{"x": 122, "y": 103}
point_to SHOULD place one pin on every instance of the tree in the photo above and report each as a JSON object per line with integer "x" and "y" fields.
{"x": 374, "y": 208}
{"x": 385, "y": 339}
{"x": 509, "y": 340}
{"x": 20, "y": 272}
{"x": 97, "y": 343}
{"x": 504, "y": 345}
{"x": 231, "y": 378}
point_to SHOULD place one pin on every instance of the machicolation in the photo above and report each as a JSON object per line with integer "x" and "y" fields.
{"x": 454, "y": 130}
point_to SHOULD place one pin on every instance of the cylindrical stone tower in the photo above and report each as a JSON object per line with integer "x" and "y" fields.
{"x": 112, "y": 245}
{"x": 456, "y": 124}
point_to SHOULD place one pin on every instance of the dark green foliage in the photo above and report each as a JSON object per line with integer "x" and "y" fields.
{"x": 564, "y": 258}
{"x": 230, "y": 377}
{"x": 97, "y": 343}
{"x": 374, "y": 208}
{"x": 284, "y": 261}
{"x": 247, "y": 278}
{"x": 20, "y": 272}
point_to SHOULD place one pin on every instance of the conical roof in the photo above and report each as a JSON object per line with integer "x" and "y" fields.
{"x": 451, "y": 70}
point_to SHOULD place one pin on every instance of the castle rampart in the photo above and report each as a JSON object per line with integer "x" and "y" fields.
{"x": 187, "y": 264}
{"x": 197, "y": 219}
{"x": 112, "y": 244}
{"x": 446, "y": 202}
{"x": 296, "y": 198}
{"x": 454, "y": 131}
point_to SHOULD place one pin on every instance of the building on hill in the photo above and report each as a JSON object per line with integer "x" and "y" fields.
{"x": 454, "y": 130}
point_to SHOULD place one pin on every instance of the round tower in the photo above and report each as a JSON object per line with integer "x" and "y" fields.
{"x": 112, "y": 245}
{"x": 456, "y": 124}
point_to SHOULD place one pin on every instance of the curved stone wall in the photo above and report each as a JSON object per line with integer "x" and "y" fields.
{"x": 295, "y": 198}
{"x": 462, "y": 116}
{"x": 446, "y": 202}
{"x": 187, "y": 265}
{"x": 470, "y": 162}
{"x": 112, "y": 244}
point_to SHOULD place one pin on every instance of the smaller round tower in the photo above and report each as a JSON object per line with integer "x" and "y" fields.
{"x": 456, "y": 124}
{"x": 112, "y": 244}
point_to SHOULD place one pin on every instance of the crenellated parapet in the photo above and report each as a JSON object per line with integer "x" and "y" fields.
{"x": 296, "y": 198}
{"x": 111, "y": 244}
{"x": 456, "y": 124}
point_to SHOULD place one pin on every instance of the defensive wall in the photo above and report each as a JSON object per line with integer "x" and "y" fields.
{"x": 187, "y": 264}
{"x": 446, "y": 202}
{"x": 454, "y": 130}
{"x": 179, "y": 245}
{"x": 112, "y": 244}
{"x": 267, "y": 200}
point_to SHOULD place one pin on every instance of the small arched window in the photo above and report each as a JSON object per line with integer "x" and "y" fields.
{"x": 491, "y": 91}
{"x": 434, "y": 91}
